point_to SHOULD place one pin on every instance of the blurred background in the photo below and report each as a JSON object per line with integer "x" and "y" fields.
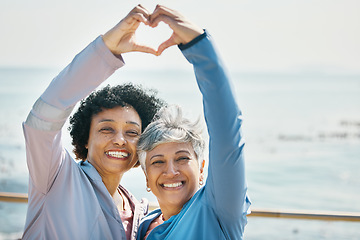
{"x": 295, "y": 67}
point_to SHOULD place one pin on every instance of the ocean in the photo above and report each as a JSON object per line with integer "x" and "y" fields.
{"x": 302, "y": 135}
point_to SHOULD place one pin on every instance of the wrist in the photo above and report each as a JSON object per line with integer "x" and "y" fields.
{"x": 202, "y": 35}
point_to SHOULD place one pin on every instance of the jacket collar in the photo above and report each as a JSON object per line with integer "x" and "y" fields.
{"x": 90, "y": 170}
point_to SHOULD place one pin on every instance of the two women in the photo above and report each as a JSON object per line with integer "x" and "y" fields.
{"x": 171, "y": 148}
{"x": 69, "y": 200}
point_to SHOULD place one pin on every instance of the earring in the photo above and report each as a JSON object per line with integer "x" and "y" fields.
{"x": 201, "y": 182}
{"x": 148, "y": 189}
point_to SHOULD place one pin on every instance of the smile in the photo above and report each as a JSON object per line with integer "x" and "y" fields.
{"x": 117, "y": 154}
{"x": 172, "y": 185}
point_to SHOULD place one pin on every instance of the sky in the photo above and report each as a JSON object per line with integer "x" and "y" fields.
{"x": 252, "y": 35}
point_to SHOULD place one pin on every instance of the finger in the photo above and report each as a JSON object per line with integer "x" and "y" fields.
{"x": 162, "y": 10}
{"x": 146, "y": 49}
{"x": 162, "y": 18}
{"x": 140, "y": 7}
{"x": 185, "y": 30}
{"x": 168, "y": 43}
{"x": 139, "y": 10}
{"x": 139, "y": 17}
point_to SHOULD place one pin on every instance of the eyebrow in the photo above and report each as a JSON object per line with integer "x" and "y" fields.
{"x": 182, "y": 151}
{"x": 157, "y": 155}
{"x": 162, "y": 155}
{"x": 112, "y": 120}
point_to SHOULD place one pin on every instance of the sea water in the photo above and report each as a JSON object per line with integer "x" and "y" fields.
{"x": 302, "y": 144}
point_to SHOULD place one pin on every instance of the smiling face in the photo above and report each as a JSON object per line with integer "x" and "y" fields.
{"x": 113, "y": 136}
{"x": 172, "y": 173}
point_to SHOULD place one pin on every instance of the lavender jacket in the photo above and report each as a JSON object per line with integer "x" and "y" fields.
{"x": 68, "y": 200}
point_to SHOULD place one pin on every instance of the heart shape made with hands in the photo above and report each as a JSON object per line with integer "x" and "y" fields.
{"x": 153, "y": 37}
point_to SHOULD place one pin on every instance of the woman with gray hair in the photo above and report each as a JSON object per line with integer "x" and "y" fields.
{"x": 168, "y": 126}
{"x": 170, "y": 151}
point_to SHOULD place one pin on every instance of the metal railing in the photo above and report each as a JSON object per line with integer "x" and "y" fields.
{"x": 13, "y": 197}
{"x": 294, "y": 214}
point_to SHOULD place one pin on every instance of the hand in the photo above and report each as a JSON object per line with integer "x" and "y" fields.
{"x": 183, "y": 30}
{"x": 121, "y": 38}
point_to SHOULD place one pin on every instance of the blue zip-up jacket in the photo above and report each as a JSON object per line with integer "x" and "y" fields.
{"x": 218, "y": 210}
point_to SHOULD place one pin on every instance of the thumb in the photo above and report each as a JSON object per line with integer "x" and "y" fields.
{"x": 168, "y": 43}
{"x": 144, "y": 49}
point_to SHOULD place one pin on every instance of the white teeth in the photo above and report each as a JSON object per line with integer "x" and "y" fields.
{"x": 117, "y": 154}
{"x": 170, "y": 185}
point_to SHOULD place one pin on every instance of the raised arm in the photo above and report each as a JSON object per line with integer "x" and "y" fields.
{"x": 87, "y": 71}
{"x": 226, "y": 185}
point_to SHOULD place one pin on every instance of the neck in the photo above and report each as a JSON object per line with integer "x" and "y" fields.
{"x": 110, "y": 179}
{"x": 111, "y": 183}
{"x": 169, "y": 211}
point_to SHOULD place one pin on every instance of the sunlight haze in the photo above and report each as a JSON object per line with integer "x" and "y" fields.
{"x": 257, "y": 35}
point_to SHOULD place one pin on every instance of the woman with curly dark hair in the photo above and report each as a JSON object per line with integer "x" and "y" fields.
{"x": 84, "y": 200}
{"x": 144, "y": 102}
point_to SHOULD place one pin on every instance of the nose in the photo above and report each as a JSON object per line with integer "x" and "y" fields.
{"x": 119, "y": 139}
{"x": 171, "y": 169}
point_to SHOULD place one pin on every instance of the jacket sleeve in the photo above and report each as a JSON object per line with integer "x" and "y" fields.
{"x": 42, "y": 128}
{"x": 226, "y": 186}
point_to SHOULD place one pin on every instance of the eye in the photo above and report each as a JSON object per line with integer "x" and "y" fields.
{"x": 106, "y": 130}
{"x": 157, "y": 162}
{"x": 183, "y": 159}
{"x": 133, "y": 133}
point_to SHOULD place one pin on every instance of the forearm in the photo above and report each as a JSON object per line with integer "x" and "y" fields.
{"x": 220, "y": 105}
{"x": 87, "y": 71}
{"x": 223, "y": 118}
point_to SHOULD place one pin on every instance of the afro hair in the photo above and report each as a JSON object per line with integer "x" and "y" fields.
{"x": 142, "y": 100}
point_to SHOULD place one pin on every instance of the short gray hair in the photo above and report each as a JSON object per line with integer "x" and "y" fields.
{"x": 169, "y": 126}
